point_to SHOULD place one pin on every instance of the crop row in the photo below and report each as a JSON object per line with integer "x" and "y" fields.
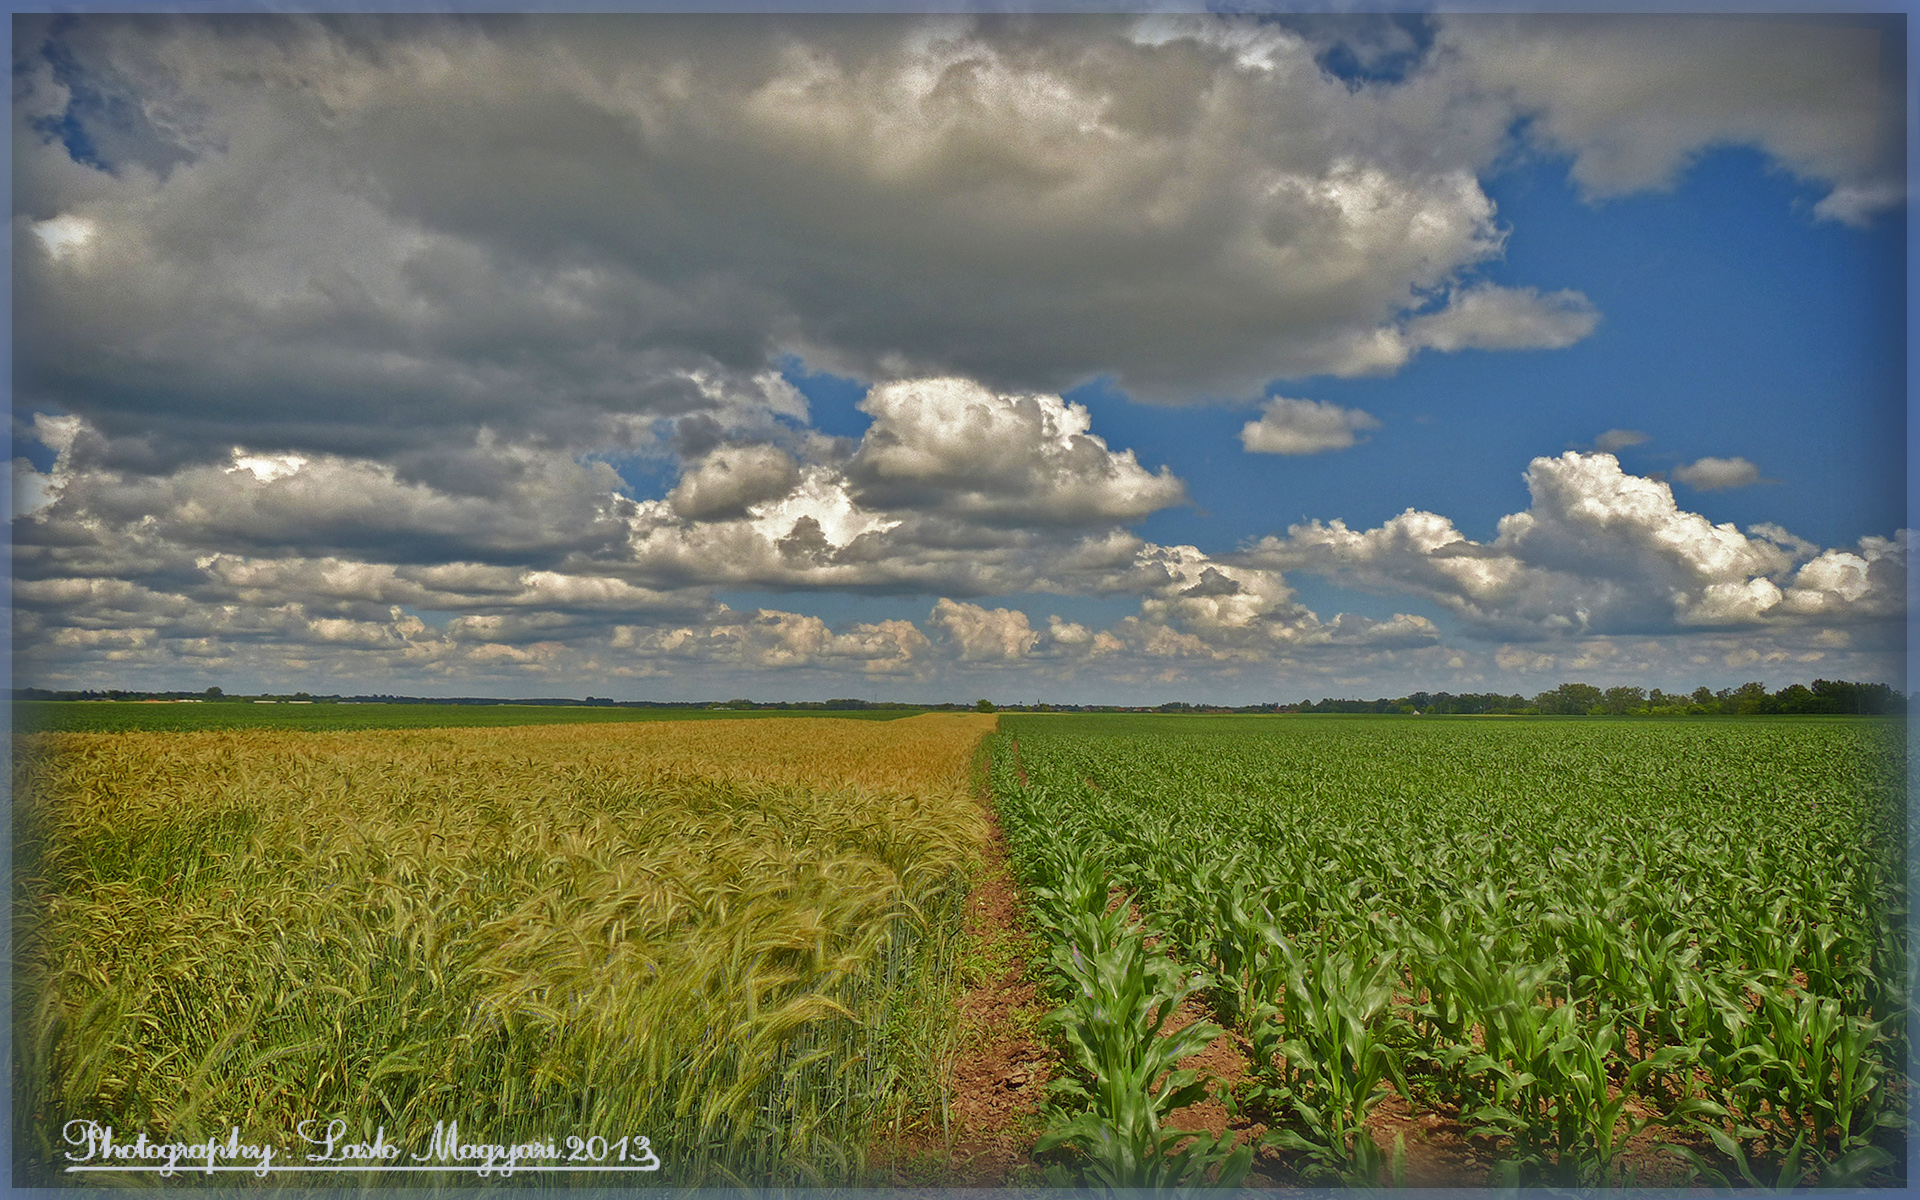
{"x": 1556, "y": 937}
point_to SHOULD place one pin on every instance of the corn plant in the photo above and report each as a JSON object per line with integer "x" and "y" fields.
{"x": 1815, "y": 1069}
{"x": 1118, "y": 999}
{"x": 1322, "y": 1060}
{"x": 1789, "y": 1174}
{"x": 1113, "y": 1026}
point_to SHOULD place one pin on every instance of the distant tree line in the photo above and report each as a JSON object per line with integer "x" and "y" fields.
{"x": 1824, "y": 696}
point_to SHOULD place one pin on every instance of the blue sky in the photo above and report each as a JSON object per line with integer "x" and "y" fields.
{"x": 1764, "y": 335}
{"x": 922, "y": 358}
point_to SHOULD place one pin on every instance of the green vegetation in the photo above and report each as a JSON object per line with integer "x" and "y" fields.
{"x": 738, "y": 940}
{"x": 1607, "y": 951}
{"x": 1559, "y": 935}
{"x": 1825, "y": 697}
{"x": 111, "y": 716}
{"x": 1118, "y": 996}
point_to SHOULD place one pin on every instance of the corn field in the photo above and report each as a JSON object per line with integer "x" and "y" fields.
{"x": 733, "y": 938}
{"x": 1610, "y": 954}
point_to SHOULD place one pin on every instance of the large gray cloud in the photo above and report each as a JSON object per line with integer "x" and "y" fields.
{"x": 359, "y": 236}
{"x": 1635, "y": 100}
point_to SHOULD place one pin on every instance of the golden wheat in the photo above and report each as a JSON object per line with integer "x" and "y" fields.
{"x": 730, "y": 937}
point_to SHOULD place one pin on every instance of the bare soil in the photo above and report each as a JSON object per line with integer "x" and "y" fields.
{"x": 1002, "y": 1065}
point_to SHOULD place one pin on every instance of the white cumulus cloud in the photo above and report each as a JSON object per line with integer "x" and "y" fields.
{"x": 1717, "y": 474}
{"x": 1304, "y": 427}
{"x": 1620, "y": 439}
{"x": 955, "y": 447}
{"x": 985, "y": 635}
{"x": 1599, "y": 551}
{"x": 1486, "y": 317}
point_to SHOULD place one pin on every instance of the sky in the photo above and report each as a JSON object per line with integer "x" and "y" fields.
{"x": 1116, "y": 358}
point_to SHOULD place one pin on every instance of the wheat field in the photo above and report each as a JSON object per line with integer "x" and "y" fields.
{"x": 733, "y": 938}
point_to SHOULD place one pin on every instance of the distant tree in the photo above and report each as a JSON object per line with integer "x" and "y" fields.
{"x": 1569, "y": 699}
{"x": 1794, "y": 698}
{"x": 1839, "y": 696}
{"x": 1618, "y": 701}
{"x": 213, "y": 693}
{"x": 1747, "y": 699}
{"x": 985, "y": 706}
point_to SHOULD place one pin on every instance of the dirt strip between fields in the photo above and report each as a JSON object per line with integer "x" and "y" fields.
{"x": 1002, "y": 1063}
